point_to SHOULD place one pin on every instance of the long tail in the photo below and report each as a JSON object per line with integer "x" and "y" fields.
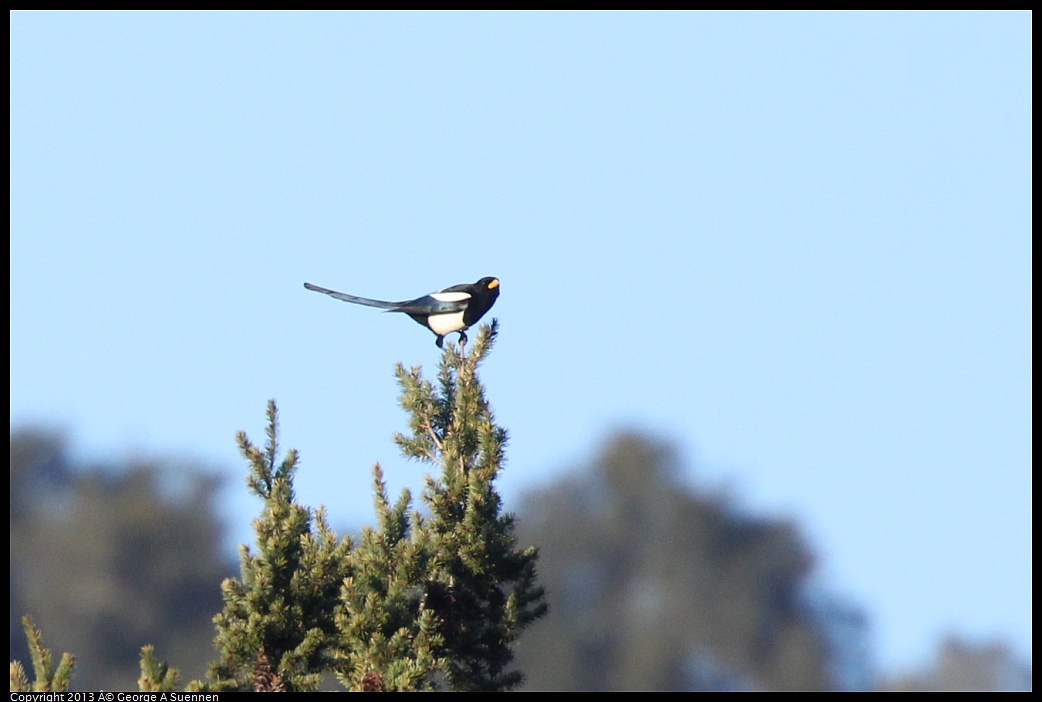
{"x": 352, "y": 298}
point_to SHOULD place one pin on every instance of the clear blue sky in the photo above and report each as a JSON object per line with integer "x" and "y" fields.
{"x": 797, "y": 244}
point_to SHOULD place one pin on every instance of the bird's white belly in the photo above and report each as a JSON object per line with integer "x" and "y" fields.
{"x": 443, "y": 324}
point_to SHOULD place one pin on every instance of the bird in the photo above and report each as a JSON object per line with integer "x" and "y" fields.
{"x": 454, "y": 309}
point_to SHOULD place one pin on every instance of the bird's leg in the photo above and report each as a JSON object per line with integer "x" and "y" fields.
{"x": 462, "y": 340}
{"x": 439, "y": 340}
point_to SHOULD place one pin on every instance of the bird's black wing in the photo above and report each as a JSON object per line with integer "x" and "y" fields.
{"x": 355, "y": 299}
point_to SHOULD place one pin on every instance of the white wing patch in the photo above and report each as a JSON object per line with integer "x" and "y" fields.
{"x": 451, "y": 296}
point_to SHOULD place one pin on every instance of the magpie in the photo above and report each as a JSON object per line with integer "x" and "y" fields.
{"x": 453, "y": 309}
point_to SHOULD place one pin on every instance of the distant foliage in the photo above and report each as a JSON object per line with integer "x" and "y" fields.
{"x": 109, "y": 557}
{"x": 964, "y": 665}
{"x": 655, "y": 586}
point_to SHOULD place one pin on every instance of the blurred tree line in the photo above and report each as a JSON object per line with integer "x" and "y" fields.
{"x": 655, "y": 586}
{"x": 108, "y": 558}
{"x": 652, "y": 584}
{"x": 967, "y": 665}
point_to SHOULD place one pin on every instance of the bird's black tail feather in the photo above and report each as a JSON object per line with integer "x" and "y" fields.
{"x": 354, "y": 299}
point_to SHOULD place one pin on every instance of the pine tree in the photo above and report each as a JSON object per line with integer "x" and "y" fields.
{"x": 419, "y": 603}
{"x": 480, "y": 587}
{"x": 385, "y": 642}
{"x": 278, "y": 619}
{"x": 458, "y": 590}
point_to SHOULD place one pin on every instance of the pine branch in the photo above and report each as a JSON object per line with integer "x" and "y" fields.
{"x": 155, "y": 675}
{"x": 48, "y": 679}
